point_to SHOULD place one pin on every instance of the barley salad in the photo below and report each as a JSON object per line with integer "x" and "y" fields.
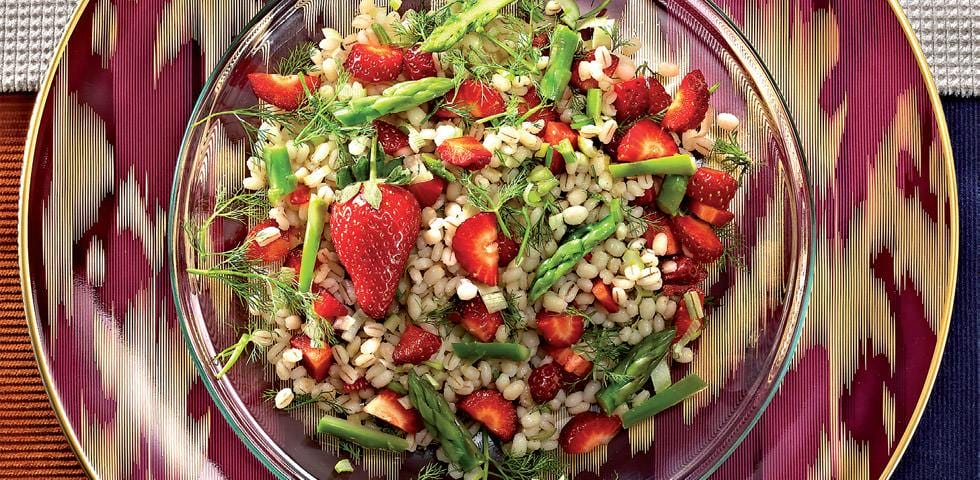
{"x": 467, "y": 224}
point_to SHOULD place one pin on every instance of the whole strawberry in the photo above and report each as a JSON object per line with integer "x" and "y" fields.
{"x": 545, "y": 382}
{"x": 373, "y": 243}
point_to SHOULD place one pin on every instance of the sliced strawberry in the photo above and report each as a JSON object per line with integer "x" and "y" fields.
{"x": 300, "y": 196}
{"x": 688, "y": 272}
{"x": 586, "y": 431}
{"x": 416, "y": 346}
{"x": 632, "y": 99}
{"x": 554, "y": 132}
{"x": 583, "y": 85}
{"x": 507, "y": 249}
{"x": 476, "y": 98}
{"x": 294, "y": 259}
{"x": 476, "y": 320}
{"x": 531, "y": 100}
{"x": 649, "y": 196}
{"x": 357, "y": 386}
{"x": 659, "y": 98}
{"x": 557, "y": 165}
{"x": 698, "y": 238}
{"x": 570, "y": 361}
{"x": 715, "y": 216}
{"x": 643, "y": 141}
{"x": 374, "y": 63}
{"x": 560, "y": 329}
{"x": 327, "y": 305}
{"x": 392, "y": 139}
{"x": 427, "y": 192}
{"x": 492, "y": 410}
{"x": 466, "y": 152}
{"x": 387, "y": 407}
{"x": 712, "y": 187}
{"x": 476, "y": 249}
{"x": 273, "y": 251}
{"x": 603, "y": 295}
{"x": 417, "y": 64}
{"x": 283, "y": 91}
{"x": 682, "y": 317}
{"x": 658, "y": 223}
{"x": 545, "y": 382}
{"x": 316, "y": 361}
{"x": 690, "y": 104}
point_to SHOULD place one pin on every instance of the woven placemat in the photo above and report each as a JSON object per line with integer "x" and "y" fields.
{"x": 949, "y": 31}
{"x": 32, "y": 444}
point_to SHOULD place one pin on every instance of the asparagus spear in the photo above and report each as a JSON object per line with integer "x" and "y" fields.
{"x": 580, "y": 243}
{"x": 440, "y": 421}
{"x": 593, "y": 105}
{"x": 680, "y": 164}
{"x": 396, "y": 98}
{"x": 472, "y": 15}
{"x": 672, "y": 193}
{"x": 503, "y": 351}
{"x": 361, "y": 435}
{"x": 671, "y": 396}
{"x": 564, "y": 44}
{"x": 282, "y": 182}
{"x": 311, "y": 241}
{"x": 634, "y": 370}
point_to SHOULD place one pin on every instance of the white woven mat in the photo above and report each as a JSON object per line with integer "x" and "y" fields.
{"x": 949, "y": 30}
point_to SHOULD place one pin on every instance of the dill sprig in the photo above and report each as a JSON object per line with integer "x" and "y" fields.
{"x": 417, "y": 25}
{"x": 304, "y": 399}
{"x": 598, "y": 344}
{"x": 298, "y": 61}
{"x": 433, "y": 471}
{"x": 730, "y": 155}
{"x": 439, "y": 316}
{"x": 618, "y": 39}
{"x": 233, "y": 352}
{"x": 245, "y": 207}
{"x": 353, "y": 450}
{"x": 513, "y": 317}
{"x": 734, "y": 251}
{"x": 532, "y": 465}
{"x": 495, "y": 200}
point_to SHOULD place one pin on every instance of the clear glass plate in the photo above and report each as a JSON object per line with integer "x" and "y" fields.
{"x": 749, "y": 339}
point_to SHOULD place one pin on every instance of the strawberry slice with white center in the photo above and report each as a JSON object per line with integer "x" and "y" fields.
{"x": 690, "y": 104}
{"x": 586, "y": 431}
{"x": 477, "y": 99}
{"x": 645, "y": 140}
{"x": 466, "y": 152}
{"x": 570, "y": 361}
{"x": 698, "y": 238}
{"x": 317, "y": 361}
{"x": 493, "y": 411}
{"x": 560, "y": 329}
{"x": 476, "y": 249}
{"x": 326, "y": 305}
{"x": 387, "y": 407}
{"x": 283, "y": 91}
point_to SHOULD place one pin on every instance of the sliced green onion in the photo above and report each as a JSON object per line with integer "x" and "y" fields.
{"x": 580, "y": 120}
{"x": 693, "y": 302}
{"x": 567, "y": 151}
{"x": 672, "y": 193}
{"x": 500, "y": 351}
{"x": 493, "y": 297}
{"x": 361, "y": 435}
{"x": 433, "y": 364}
{"x": 315, "y": 220}
{"x": 343, "y": 466}
{"x": 680, "y": 164}
{"x": 570, "y": 12}
{"x": 397, "y": 388}
{"x": 381, "y": 33}
{"x": 392, "y": 323}
{"x": 672, "y": 395}
{"x": 540, "y": 174}
{"x": 660, "y": 376}
{"x": 279, "y": 171}
{"x": 593, "y": 105}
